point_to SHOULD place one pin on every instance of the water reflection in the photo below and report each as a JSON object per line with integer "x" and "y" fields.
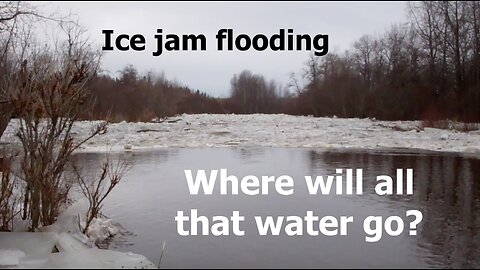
{"x": 249, "y": 154}
{"x": 447, "y": 189}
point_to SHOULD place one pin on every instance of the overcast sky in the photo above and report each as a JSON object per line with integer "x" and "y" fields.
{"x": 210, "y": 71}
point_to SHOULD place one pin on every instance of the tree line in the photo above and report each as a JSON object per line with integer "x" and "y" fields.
{"x": 133, "y": 97}
{"x": 427, "y": 68}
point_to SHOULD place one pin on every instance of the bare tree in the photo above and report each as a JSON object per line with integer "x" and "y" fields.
{"x": 10, "y": 13}
{"x": 363, "y": 54}
{"x": 427, "y": 24}
{"x": 17, "y": 22}
{"x": 254, "y": 93}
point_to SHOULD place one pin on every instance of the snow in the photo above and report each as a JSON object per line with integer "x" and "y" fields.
{"x": 272, "y": 130}
{"x": 75, "y": 250}
{"x": 68, "y": 220}
{"x": 72, "y": 221}
{"x": 10, "y": 257}
{"x": 32, "y": 244}
{"x": 96, "y": 258}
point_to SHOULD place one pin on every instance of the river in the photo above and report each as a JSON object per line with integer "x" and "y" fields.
{"x": 446, "y": 191}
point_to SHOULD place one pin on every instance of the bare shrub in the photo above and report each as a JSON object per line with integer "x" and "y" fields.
{"x": 8, "y": 199}
{"x": 45, "y": 87}
{"x": 98, "y": 189}
{"x": 47, "y": 93}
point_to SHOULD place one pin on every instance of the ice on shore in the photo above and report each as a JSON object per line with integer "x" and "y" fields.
{"x": 97, "y": 258}
{"x": 101, "y": 229}
{"x": 10, "y": 257}
{"x": 62, "y": 245}
{"x": 32, "y": 244}
{"x": 272, "y": 130}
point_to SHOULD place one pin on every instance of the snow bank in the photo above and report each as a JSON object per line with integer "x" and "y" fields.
{"x": 10, "y": 257}
{"x": 31, "y": 244}
{"x": 72, "y": 221}
{"x": 96, "y": 258}
{"x": 62, "y": 245}
{"x": 279, "y": 130}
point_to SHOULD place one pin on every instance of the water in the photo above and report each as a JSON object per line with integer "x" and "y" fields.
{"x": 446, "y": 191}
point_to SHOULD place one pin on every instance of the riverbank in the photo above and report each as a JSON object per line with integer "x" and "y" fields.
{"x": 63, "y": 245}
